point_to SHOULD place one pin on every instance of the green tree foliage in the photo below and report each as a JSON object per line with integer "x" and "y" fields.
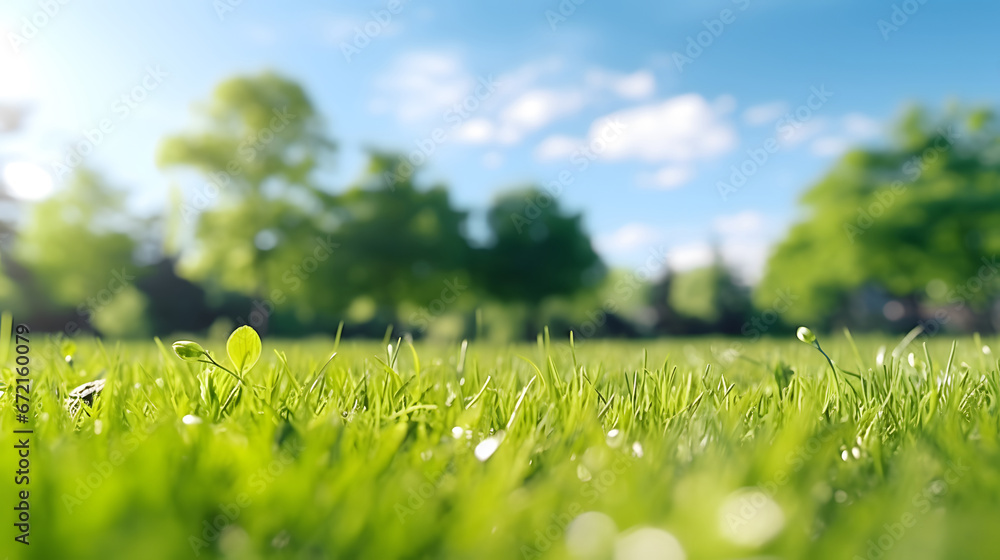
{"x": 537, "y": 250}
{"x": 79, "y": 243}
{"x": 711, "y": 296}
{"x": 259, "y": 145}
{"x": 923, "y": 210}
{"x": 395, "y": 243}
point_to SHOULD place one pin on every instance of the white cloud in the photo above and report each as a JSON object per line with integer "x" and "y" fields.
{"x": 18, "y": 81}
{"x": 628, "y": 238}
{"x": 853, "y": 128}
{"x": 764, "y": 113}
{"x": 667, "y": 178}
{"x": 557, "y": 146}
{"x": 744, "y": 242}
{"x": 829, "y": 146}
{"x": 638, "y": 85}
{"x": 792, "y": 135}
{"x": 690, "y": 256}
{"x": 522, "y": 105}
{"x": 861, "y": 126}
{"x": 475, "y": 131}
{"x": 746, "y": 256}
{"x": 421, "y": 85}
{"x": 744, "y": 223}
{"x": 535, "y": 109}
{"x": 681, "y": 129}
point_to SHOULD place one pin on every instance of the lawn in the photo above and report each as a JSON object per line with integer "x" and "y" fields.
{"x": 648, "y": 450}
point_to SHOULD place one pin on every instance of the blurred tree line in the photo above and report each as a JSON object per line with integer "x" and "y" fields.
{"x": 902, "y": 236}
{"x": 262, "y": 239}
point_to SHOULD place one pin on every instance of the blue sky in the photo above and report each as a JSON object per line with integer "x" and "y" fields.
{"x": 563, "y": 73}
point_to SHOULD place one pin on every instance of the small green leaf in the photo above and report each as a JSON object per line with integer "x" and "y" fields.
{"x": 188, "y": 351}
{"x": 244, "y": 348}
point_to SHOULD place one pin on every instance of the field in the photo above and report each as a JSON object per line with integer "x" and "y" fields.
{"x": 670, "y": 449}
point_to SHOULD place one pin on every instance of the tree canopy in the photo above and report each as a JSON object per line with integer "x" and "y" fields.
{"x": 917, "y": 218}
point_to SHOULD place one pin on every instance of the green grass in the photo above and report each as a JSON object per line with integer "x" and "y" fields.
{"x": 677, "y": 443}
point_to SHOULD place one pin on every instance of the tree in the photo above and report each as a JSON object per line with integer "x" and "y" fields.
{"x": 260, "y": 144}
{"x": 537, "y": 251}
{"x": 10, "y": 294}
{"x": 711, "y": 297}
{"x": 920, "y": 212}
{"x": 77, "y": 242}
{"x": 77, "y": 250}
{"x": 395, "y": 244}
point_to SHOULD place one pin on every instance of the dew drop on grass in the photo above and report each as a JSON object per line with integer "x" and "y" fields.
{"x": 912, "y": 360}
{"x": 191, "y": 420}
{"x": 583, "y": 473}
{"x": 856, "y": 453}
{"x": 880, "y": 357}
{"x": 98, "y": 427}
{"x": 637, "y": 449}
{"x": 457, "y": 432}
{"x": 749, "y": 517}
{"x": 487, "y": 448}
{"x": 614, "y": 438}
{"x": 843, "y": 455}
{"x": 591, "y": 535}
{"x": 648, "y": 543}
